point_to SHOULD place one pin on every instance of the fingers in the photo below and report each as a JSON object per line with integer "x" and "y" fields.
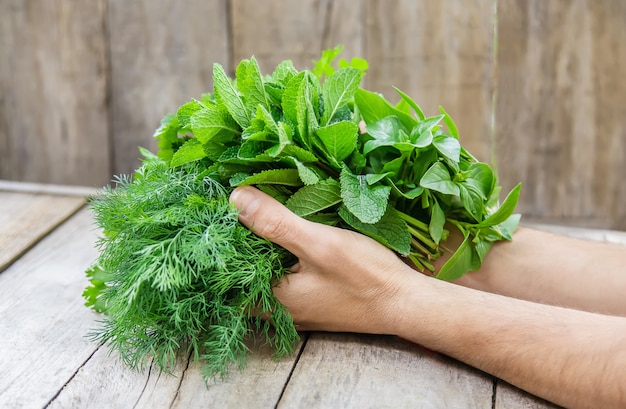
{"x": 268, "y": 218}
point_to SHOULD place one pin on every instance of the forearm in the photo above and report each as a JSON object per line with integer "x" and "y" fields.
{"x": 573, "y": 358}
{"x": 547, "y": 268}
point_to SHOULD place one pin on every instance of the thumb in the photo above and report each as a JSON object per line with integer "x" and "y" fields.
{"x": 268, "y": 218}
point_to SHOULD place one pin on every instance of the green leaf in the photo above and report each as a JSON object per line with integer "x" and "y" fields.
{"x": 167, "y": 136}
{"x": 421, "y": 139}
{"x": 250, "y": 83}
{"x": 373, "y": 178}
{"x": 227, "y": 95}
{"x": 391, "y": 230}
{"x": 283, "y": 72}
{"x": 481, "y": 178}
{"x": 504, "y": 211}
{"x": 448, "y": 147}
{"x": 482, "y": 248}
{"x": 307, "y": 174}
{"x": 299, "y": 101}
{"x": 412, "y": 104}
{"x": 211, "y": 124}
{"x": 437, "y": 178}
{"x": 508, "y": 227}
{"x": 355, "y": 62}
{"x": 191, "y": 151}
{"x": 386, "y": 132}
{"x": 285, "y": 135}
{"x": 297, "y": 152}
{"x": 290, "y": 96}
{"x": 287, "y": 177}
{"x": 367, "y": 203}
{"x": 437, "y": 221}
{"x": 459, "y": 263}
{"x": 339, "y": 139}
{"x": 373, "y": 107}
{"x": 312, "y": 199}
{"x": 185, "y": 112}
{"x": 472, "y": 201}
{"x": 323, "y": 66}
{"x": 337, "y": 90}
{"x": 447, "y": 119}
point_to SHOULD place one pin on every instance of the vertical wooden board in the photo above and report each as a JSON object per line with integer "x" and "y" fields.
{"x": 53, "y": 72}
{"x": 295, "y": 30}
{"x": 162, "y": 54}
{"x": 561, "y": 109}
{"x": 43, "y": 321}
{"x": 360, "y": 371}
{"x": 27, "y": 217}
{"x": 344, "y": 25}
{"x": 439, "y": 53}
{"x": 510, "y": 397}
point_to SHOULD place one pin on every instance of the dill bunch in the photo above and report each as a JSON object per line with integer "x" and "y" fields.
{"x": 177, "y": 272}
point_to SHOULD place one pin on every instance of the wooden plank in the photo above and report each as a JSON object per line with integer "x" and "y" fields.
{"x": 27, "y": 217}
{"x": 162, "y": 54}
{"x": 297, "y": 31}
{"x": 361, "y": 371}
{"x": 259, "y": 385}
{"x": 53, "y": 111}
{"x": 43, "y": 321}
{"x": 510, "y": 397}
{"x": 439, "y": 53}
{"x": 47, "y": 188}
{"x": 124, "y": 387}
{"x": 561, "y": 110}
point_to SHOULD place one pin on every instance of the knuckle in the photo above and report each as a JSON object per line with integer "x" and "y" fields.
{"x": 275, "y": 228}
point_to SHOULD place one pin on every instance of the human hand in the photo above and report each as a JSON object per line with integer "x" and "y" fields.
{"x": 343, "y": 281}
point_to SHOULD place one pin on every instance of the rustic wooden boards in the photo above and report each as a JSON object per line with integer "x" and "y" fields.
{"x": 26, "y": 217}
{"x": 536, "y": 85}
{"x": 561, "y": 109}
{"x": 43, "y": 322}
{"x": 161, "y": 55}
{"x": 54, "y": 124}
{"x": 361, "y": 371}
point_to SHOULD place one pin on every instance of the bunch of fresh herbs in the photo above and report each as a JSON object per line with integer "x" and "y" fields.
{"x": 177, "y": 271}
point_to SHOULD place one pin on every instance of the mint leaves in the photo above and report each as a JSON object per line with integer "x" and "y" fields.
{"x": 173, "y": 248}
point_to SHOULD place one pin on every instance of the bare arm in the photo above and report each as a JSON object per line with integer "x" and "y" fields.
{"x": 347, "y": 282}
{"x": 557, "y": 270}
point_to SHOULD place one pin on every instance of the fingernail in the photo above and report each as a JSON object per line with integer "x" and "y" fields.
{"x": 246, "y": 200}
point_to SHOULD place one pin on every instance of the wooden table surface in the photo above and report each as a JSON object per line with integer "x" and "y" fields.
{"x": 47, "y": 241}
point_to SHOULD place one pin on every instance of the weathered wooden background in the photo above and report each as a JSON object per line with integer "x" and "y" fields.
{"x": 536, "y": 86}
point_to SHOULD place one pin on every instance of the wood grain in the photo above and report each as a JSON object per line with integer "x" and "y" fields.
{"x": 162, "y": 54}
{"x": 361, "y": 371}
{"x": 82, "y": 84}
{"x": 440, "y": 53}
{"x": 259, "y": 385}
{"x": 298, "y": 31}
{"x": 53, "y": 81}
{"x": 27, "y": 217}
{"x": 42, "y": 318}
{"x": 561, "y": 109}
{"x": 105, "y": 381}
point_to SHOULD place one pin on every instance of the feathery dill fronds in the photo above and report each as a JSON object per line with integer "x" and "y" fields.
{"x": 182, "y": 272}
